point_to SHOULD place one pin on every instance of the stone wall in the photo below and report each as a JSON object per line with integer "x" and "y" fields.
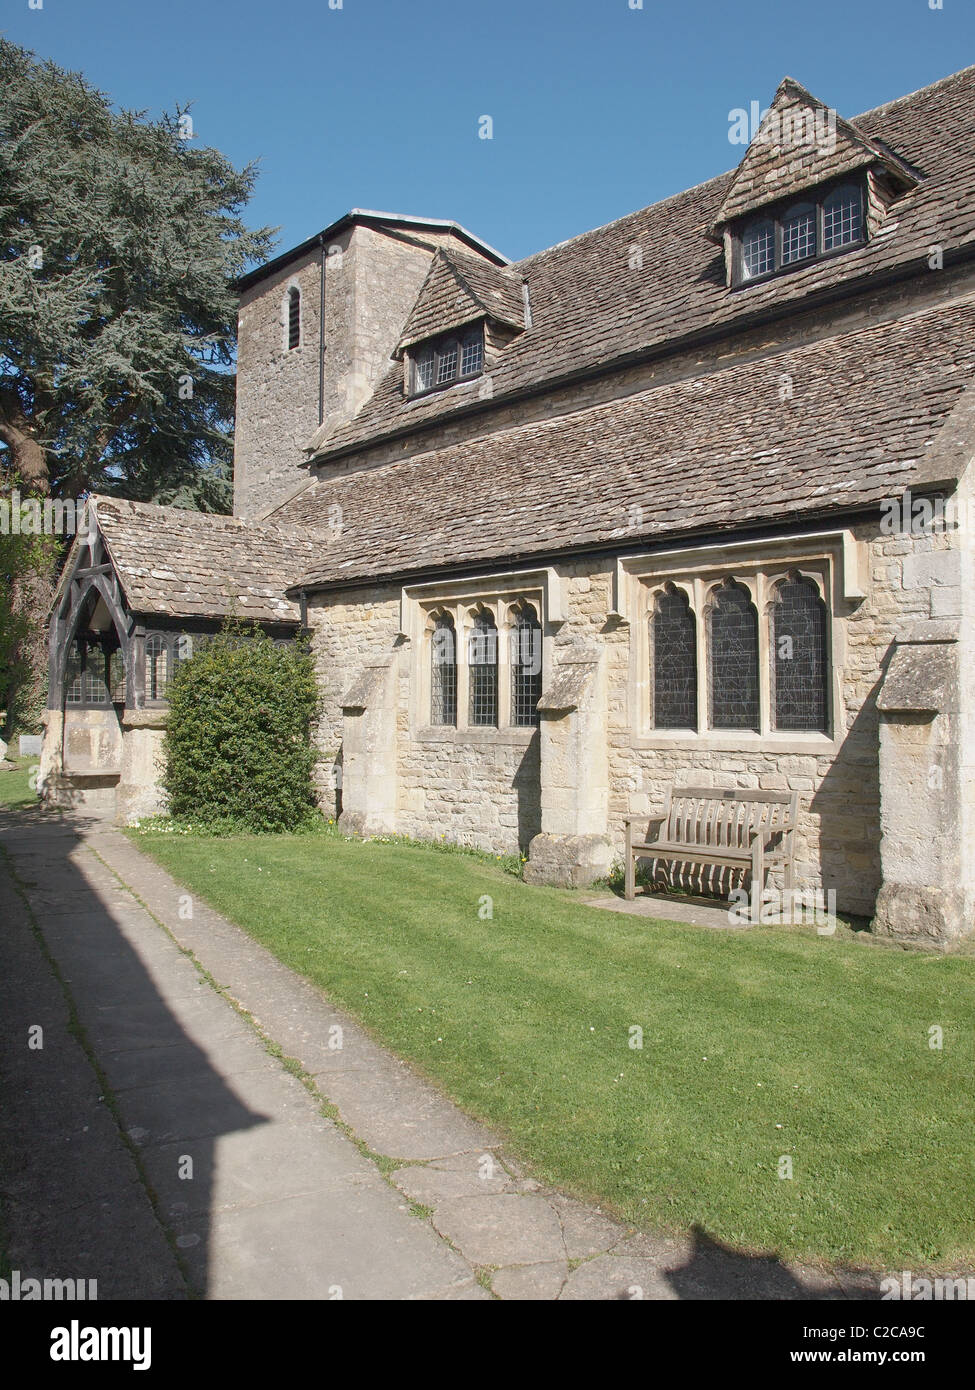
{"x": 277, "y": 388}
{"x": 484, "y": 787}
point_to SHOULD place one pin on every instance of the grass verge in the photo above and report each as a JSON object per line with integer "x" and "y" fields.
{"x": 758, "y": 1046}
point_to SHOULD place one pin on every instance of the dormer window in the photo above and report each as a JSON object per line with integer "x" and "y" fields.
{"x": 456, "y": 356}
{"x": 793, "y": 234}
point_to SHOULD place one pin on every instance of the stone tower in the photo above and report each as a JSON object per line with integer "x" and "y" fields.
{"x": 316, "y": 329}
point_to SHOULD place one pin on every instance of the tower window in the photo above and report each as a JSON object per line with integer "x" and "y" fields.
{"x": 294, "y": 319}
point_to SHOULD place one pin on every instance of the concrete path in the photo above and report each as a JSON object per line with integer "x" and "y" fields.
{"x": 200, "y": 1121}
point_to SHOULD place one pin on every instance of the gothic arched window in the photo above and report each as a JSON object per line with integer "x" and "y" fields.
{"x": 526, "y": 665}
{"x": 482, "y": 659}
{"x": 673, "y": 661}
{"x": 443, "y": 671}
{"x": 294, "y": 318}
{"x": 732, "y": 658}
{"x": 799, "y": 665}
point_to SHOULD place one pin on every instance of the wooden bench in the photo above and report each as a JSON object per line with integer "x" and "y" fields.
{"x": 730, "y": 829}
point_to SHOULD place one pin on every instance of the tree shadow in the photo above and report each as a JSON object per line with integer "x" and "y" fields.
{"x": 118, "y": 1101}
{"x": 716, "y": 1271}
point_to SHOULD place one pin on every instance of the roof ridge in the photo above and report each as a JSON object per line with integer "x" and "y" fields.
{"x": 909, "y": 96}
{"x": 729, "y": 173}
{"x": 605, "y": 226}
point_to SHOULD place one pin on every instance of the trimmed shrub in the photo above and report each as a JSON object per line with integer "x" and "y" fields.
{"x": 238, "y": 749}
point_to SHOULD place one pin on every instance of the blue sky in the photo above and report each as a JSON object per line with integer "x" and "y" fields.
{"x": 597, "y": 108}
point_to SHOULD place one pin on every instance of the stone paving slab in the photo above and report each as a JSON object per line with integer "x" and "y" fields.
{"x": 699, "y": 912}
{"x": 510, "y": 1229}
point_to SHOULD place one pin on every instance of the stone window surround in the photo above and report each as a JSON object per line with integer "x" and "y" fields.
{"x": 832, "y": 560}
{"x": 420, "y": 604}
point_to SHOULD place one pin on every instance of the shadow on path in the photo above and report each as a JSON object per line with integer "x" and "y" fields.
{"x": 76, "y": 1134}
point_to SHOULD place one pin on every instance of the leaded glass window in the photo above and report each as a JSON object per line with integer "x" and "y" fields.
{"x": 482, "y": 659}
{"x": 472, "y": 356}
{"x": 423, "y": 371}
{"x": 526, "y": 666}
{"x": 294, "y": 319}
{"x": 732, "y": 658}
{"x": 443, "y": 685}
{"x": 842, "y": 217}
{"x": 86, "y": 675}
{"x": 453, "y": 357}
{"x": 447, "y": 363}
{"x": 799, "y": 665}
{"x": 799, "y": 234}
{"x": 673, "y": 649}
{"x": 790, "y": 235}
{"x": 757, "y": 249}
{"x": 157, "y": 666}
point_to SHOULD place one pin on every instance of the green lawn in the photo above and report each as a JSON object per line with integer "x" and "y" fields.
{"x": 757, "y": 1044}
{"x": 15, "y": 788}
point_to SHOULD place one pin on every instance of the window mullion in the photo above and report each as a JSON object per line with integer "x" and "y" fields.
{"x": 764, "y": 661}
{"x": 504, "y": 663}
{"x": 703, "y": 712}
{"x": 463, "y": 668}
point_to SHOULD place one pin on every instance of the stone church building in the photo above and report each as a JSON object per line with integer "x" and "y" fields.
{"x": 684, "y": 500}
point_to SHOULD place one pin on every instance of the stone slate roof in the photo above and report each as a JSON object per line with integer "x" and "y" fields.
{"x": 460, "y": 288}
{"x": 172, "y": 562}
{"x": 714, "y": 451}
{"x": 764, "y": 175}
{"x": 594, "y": 304}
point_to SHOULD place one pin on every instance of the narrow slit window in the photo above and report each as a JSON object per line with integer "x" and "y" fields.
{"x": 443, "y": 656}
{"x": 294, "y": 319}
{"x": 673, "y": 648}
{"x": 482, "y": 659}
{"x": 732, "y": 658}
{"x": 799, "y": 664}
{"x": 526, "y": 666}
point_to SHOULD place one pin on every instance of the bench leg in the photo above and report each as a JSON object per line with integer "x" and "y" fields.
{"x": 629, "y": 889}
{"x": 758, "y": 880}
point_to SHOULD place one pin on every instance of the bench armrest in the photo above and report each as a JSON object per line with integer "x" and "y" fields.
{"x": 767, "y": 831}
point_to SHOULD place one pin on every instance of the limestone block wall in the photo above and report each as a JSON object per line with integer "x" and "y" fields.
{"x": 483, "y": 787}
{"x": 481, "y": 791}
{"x": 838, "y": 845}
{"x": 139, "y": 791}
{"x": 277, "y": 387}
